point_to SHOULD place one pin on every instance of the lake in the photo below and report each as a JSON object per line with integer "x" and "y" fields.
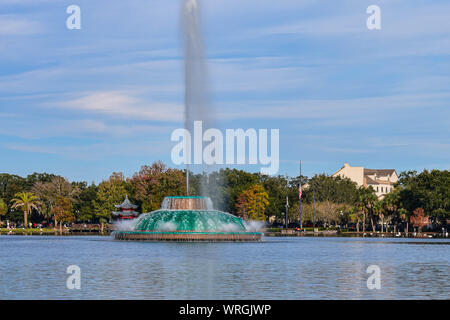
{"x": 34, "y": 267}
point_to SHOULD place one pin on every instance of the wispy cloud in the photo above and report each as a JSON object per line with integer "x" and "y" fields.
{"x": 14, "y": 25}
{"x": 121, "y": 104}
{"x": 399, "y": 19}
{"x": 311, "y": 68}
{"x": 344, "y": 109}
{"x": 95, "y": 151}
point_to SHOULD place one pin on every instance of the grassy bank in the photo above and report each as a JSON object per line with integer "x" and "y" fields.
{"x": 45, "y": 231}
{"x": 28, "y": 231}
{"x": 335, "y": 233}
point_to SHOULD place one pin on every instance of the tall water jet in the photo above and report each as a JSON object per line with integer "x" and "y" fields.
{"x": 197, "y": 103}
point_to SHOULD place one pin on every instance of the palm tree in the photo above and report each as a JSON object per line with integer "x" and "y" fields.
{"x": 28, "y": 201}
{"x": 366, "y": 202}
{"x": 378, "y": 213}
{"x": 355, "y": 215}
{"x": 393, "y": 207}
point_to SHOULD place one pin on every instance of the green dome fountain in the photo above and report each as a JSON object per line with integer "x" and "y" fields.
{"x": 188, "y": 219}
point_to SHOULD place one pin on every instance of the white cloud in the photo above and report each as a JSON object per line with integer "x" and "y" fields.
{"x": 14, "y": 25}
{"x": 121, "y": 104}
{"x": 37, "y": 128}
{"x": 28, "y": 2}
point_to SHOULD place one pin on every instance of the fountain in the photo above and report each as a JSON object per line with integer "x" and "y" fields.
{"x": 188, "y": 219}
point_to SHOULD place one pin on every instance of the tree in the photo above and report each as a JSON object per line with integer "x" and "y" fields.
{"x": 366, "y": 205}
{"x": 224, "y": 186}
{"x": 28, "y": 202}
{"x": 51, "y": 191}
{"x": 378, "y": 214}
{"x": 418, "y": 219}
{"x": 328, "y": 212}
{"x": 83, "y": 208}
{"x": 356, "y": 215}
{"x": 10, "y": 185}
{"x": 429, "y": 190}
{"x": 392, "y": 207}
{"x": 152, "y": 183}
{"x": 333, "y": 189}
{"x": 63, "y": 211}
{"x": 252, "y": 203}
{"x": 110, "y": 192}
{"x": 294, "y": 211}
{"x": 35, "y": 177}
{"x": 3, "y": 209}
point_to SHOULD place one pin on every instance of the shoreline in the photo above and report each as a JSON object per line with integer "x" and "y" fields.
{"x": 289, "y": 233}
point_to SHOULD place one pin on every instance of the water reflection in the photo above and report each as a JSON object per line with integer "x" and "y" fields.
{"x": 294, "y": 268}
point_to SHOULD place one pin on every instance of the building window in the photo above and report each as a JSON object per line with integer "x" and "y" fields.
{"x": 377, "y": 189}
{"x": 382, "y": 190}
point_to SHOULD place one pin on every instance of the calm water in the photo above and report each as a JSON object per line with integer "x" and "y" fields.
{"x": 34, "y": 267}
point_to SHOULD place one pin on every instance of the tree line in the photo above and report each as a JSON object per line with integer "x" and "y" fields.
{"x": 418, "y": 199}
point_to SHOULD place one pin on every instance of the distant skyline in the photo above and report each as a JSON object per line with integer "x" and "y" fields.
{"x": 84, "y": 103}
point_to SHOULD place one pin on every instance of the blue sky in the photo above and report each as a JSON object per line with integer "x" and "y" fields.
{"x": 84, "y": 103}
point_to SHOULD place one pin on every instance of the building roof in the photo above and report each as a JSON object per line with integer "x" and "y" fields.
{"x": 380, "y": 172}
{"x": 126, "y": 204}
{"x": 372, "y": 181}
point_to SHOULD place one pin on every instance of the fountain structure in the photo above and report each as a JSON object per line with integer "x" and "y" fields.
{"x": 188, "y": 219}
{"x": 191, "y": 218}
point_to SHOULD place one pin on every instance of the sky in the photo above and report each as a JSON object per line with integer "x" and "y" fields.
{"x": 85, "y": 103}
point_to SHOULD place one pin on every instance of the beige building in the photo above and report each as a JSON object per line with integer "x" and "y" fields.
{"x": 381, "y": 180}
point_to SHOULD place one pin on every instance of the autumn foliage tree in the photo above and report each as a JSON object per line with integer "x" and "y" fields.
{"x": 50, "y": 192}
{"x": 252, "y": 203}
{"x": 418, "y": 219}
{"x": 63, "y": 211}
{"x": 152, "y": 183}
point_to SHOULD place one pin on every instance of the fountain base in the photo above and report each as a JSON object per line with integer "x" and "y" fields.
{"x": 188, "y": 236}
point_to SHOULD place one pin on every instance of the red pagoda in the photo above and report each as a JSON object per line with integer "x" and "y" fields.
{"x": 126, "y": 210}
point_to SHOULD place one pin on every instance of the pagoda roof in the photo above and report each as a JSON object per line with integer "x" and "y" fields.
{"x": 125, "y": 213}
{"x": 126, "y": 204}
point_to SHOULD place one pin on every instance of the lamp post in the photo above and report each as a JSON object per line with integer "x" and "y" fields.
{"x": 300, "y": 195}
{"x": 314, "y": 211}
{"x": 287, "y": 204}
